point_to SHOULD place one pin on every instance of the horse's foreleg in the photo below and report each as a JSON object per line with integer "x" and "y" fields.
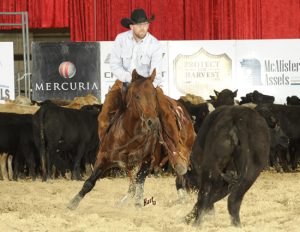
{"x": 181, "y": 186}
{"x": 88, "y": 185}
{"x": 132, "y": 186}
{"x": 140, "y": 180}
{"x": 136, "y": 185}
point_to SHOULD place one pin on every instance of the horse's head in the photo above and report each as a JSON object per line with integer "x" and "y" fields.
{"x": 141, "y": 99}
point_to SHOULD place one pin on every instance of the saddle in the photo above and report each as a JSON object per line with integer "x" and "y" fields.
{"x": 179, "y": 115}
{"x": 117, "y": 113}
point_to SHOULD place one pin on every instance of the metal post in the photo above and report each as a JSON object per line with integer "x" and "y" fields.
{"x": 19, "y": 84}
{"x": 24, "y": 51}
{"x": 28, "y": 57}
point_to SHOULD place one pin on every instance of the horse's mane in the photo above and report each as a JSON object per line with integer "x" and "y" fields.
{"x": 130, "y": 138}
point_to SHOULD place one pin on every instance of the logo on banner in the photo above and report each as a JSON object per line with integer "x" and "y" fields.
{"x": 4, "y": 89}
{"x": 251, "y": 71}
{"x": 107, "y": 59}
{"x": 282, "y": 72}
{"x": 67, "y": 69}
{"x": 201, "y": 70}
{"x": 108, "y": 74}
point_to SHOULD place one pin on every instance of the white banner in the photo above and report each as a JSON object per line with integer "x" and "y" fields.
{"x": 199, "y": 67}
{"x": 107, "y": 78}
{"x": 7, "y": 80}
{"x": 270, "y": 66}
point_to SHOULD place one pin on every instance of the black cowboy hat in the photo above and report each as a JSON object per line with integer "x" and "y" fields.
{"x": 137, "y": 16}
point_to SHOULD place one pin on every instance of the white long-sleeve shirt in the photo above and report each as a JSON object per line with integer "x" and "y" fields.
{"x": 144, "y": 56}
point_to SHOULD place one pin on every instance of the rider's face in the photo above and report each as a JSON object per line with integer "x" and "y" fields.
{"x": 140, "y": 30}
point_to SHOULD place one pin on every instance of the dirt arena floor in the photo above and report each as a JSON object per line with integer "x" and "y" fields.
{"x": 272, "y": 204}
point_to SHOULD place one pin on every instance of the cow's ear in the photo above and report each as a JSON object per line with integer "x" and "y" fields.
{"x": 213, "y": 97}
{"x": 153, "y": 74}
{"x": 216, "y": 93}
{"x": 134, "y": 75}
{"x": 235, "y": 93}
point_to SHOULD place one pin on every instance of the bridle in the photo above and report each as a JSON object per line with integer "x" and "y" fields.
{"x": 146, "y": 131}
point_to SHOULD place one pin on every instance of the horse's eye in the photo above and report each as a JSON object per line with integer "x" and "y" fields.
{"x": 137, "y": 96}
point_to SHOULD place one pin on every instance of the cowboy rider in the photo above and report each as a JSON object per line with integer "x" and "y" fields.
{"x": 138, "y": 49}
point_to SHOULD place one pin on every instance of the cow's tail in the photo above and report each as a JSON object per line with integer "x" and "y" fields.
{"x": 42, "y": 142}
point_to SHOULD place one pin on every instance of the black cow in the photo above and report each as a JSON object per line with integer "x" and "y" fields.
{"x": 288, "y": 119}
{"x": 279, "y": 149}
{"x": 231, "y": 149}
{"x": 293, "y": 101}
{"x": 225, "y": 97}
{"x": 257, "y": 98}
{"x": 16, "y": 139}
{"x": 65, "y": 135}
{"x": 197, "y": 111}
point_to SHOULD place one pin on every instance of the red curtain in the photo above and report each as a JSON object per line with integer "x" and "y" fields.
{"x": 94, "y": 20}
{"x": 281, "y": 19}
{"x": 248, "y": 18}
{"x": 41, "y": 14}
{"x": 11, "y": 6}
{"x": 109, "y": 14}
{"x": 205, "y": 19}
{"x": 48, "y": 14}
{"x": 169, "y": 19}
{"x": 82, "y": 20}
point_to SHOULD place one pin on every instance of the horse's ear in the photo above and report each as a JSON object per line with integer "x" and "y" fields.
{"x": 216, "y": 93}
{"x": 153, "y": 74}
{"x": 134, "y": 75}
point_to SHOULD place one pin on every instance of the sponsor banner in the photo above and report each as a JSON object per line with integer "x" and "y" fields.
{"x": 7, "y": 80}
{"x": 199, "y": 67}
{"x": 107, "y": 78}
{"x": 165, "y": 67}
{"x": 270, "y": 66}
{"x": 65, "y": 70}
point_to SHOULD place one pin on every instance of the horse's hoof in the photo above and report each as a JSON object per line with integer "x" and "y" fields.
{"x": 74, "y": 202}
{"x": 235, "y": 222}
{"x": 179, "y": 201}
{"x": 188, "y": 219}
{"x": 180, "y": 169}
{"x": 122, "y": 202}
{"x": 138, "y": 205}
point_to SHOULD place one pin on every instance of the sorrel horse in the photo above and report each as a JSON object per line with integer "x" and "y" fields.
{"x": 134, "y": 140}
